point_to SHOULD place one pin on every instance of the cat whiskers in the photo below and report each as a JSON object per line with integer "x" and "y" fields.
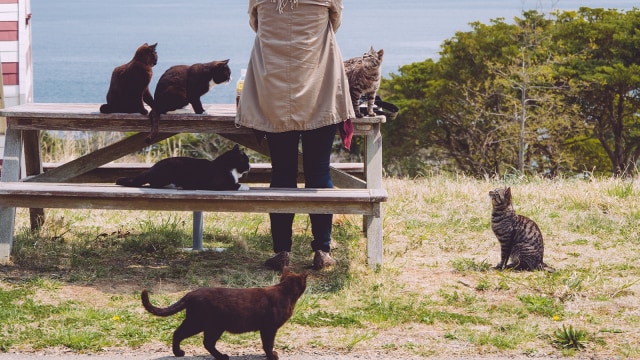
{"x": 212, "y": 83}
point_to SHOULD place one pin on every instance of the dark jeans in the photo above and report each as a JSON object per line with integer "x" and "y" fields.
{"x": 316, "y": 154}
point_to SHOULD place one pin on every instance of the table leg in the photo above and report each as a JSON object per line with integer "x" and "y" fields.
{"x": 33, "y": 166}
{"x": 198, "y": 227}
{"x": 10, "y": 173}
{"x": 373, "y": 176}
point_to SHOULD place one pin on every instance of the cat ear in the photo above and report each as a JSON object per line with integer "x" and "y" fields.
{"x": 236, "y": 147}
{"x": 380, "y": 53}
{"x": 225, "y": 61}
{"x": 152, "y": 46}
{"x": 507, "y": 193}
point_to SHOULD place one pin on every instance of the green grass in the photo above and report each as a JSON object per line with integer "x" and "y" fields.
{"x": 76, "y": 283}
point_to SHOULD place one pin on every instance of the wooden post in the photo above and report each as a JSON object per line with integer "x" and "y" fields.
{"x": 373, "y": 172}
{"x": 10, "y": 173}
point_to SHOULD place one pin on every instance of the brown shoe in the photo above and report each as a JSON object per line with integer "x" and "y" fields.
{"x": 278, "y": 261}
{"x": 322, "y": 260}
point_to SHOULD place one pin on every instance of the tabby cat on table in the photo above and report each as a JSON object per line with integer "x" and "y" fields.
{"x": 188, "y": 173}
{"x": 181, "y": 85}
{"x": 363, "y": 73}
{"x": 129, "y": 86}
{"x": 216, "y": 310}
{"x": 519, "y": 237}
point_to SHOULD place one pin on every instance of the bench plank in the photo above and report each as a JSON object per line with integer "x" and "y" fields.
{"x": 265, "y": 200}
{"x": 260, "y": 172}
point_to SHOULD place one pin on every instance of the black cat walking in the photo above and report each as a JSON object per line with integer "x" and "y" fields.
{"x": 216, "y": 310}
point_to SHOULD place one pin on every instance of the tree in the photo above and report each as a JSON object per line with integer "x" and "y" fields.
{"x": 535, "y": 96}
{"x": 513, "y": 92}
{"x": 602, "y": 48}
{"x": 407, "y": 136}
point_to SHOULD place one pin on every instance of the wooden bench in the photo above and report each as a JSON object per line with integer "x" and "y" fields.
{"x": 257, "y": 199}
{"x": 25, "y": 183}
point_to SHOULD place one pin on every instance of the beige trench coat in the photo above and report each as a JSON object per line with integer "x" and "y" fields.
{"x": 295, "y": 78}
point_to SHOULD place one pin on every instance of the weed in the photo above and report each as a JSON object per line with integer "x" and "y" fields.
{"x": 467, "y": 264}
{"x": 570, "y": 338}
{"x": 483, "y": 285}
{"x": 541, "y": 305}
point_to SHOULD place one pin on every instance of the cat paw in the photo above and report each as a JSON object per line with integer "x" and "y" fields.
{"x": 243, "y": 187}
{"x": 178, "y": 353}
{"x": 274, "y": 356}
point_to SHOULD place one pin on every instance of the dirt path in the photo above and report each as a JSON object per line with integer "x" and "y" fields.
{"x": 166, "y": 355}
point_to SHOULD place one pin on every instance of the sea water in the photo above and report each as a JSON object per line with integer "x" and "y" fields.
{"x": 77, "y": 43}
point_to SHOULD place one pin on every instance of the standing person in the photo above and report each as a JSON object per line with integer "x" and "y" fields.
{"x": 296, "y": 90}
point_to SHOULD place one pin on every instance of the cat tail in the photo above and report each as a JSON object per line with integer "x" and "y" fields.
{"x": 127, "y": 181}
{"x": 134, "y": 181}
{"x": 168, "y": 311}
{"x": 154, "y": 117}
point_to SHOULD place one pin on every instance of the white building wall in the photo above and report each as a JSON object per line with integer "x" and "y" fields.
{"x": 17, "y": 51}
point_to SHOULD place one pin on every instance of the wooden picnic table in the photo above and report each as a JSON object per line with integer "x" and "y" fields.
{"x": 22, "y": 165}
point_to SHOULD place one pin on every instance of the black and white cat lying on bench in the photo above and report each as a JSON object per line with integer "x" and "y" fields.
{"x": 195, "y": 174}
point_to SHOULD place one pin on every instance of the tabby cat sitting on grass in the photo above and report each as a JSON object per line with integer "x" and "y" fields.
{"x": 216, "y": 310}
{"x": 520, "y": 238}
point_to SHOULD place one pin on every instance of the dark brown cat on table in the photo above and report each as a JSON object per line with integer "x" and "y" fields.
{"x": 216, "y": 310}
{"x": 188, "y": 173}
{"x": 129, "y": 86}
{"x": 181, "y": 85}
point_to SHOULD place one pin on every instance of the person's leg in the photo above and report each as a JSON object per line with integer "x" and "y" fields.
{"x": 283, "y": 148}
{"x": 316, "y": 150}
